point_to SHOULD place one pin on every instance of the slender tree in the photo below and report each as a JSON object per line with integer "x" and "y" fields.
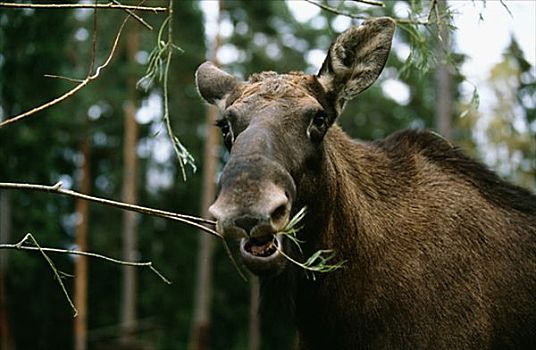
{"x": 5, "y": 233}
{"x": 128, "y": 314}
{"x": 201, "y": 326}
{"x": 81, "y": 262}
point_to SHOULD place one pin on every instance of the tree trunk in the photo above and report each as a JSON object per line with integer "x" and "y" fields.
{"x": 129, "y": 195}
{"x": 6, "y": 341}
{"x": 443, "y": 79}
{"x": 81, "y": 263}
{"x": 254, "y": 319}
{"x": 200, "y": 331}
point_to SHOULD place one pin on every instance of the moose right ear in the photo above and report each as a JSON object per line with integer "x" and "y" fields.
{"x": 213, "y": 84}
{"x": 356, "y": 59}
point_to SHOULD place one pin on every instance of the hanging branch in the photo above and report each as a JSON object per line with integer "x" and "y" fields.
{"x": 158, "y": 69}
{"x": 57, "y": 188}
{"x": 181, "y": 152}
{"x": 109, "y": 5}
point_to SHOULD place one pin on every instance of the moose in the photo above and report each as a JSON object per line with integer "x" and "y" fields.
{"x": 438, "y": 251}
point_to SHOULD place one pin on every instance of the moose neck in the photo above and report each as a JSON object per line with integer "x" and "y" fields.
{"x": 350, "y": 193}
{"x": 351, "y": 181}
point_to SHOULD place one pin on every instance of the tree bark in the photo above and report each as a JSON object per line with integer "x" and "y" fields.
{"x": 201, "y": 325}
{"x": 128, "y": 314}
{"x": 254, "y": 319}
{"x": 81, "y": 262}
{"x": 6, "y": 341}
{"x": 200, "y": 333}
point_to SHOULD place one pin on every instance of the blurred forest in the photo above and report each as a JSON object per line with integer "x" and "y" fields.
{"x": 110, "y": 140}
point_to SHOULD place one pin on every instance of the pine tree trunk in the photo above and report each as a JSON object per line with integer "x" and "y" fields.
{"x": 6, "y": 341}
{"x": 128, "y": 313}
{"x": 254, "y": 319}
{"x": 200, "y": 333}
{"x": 201, "y": 324}
{"x": 81, "y": 262}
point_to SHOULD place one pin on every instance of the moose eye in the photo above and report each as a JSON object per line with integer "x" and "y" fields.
{"x": 318, "y": 126}
{"x": 226, "y": 131}
{"x": 320, "y": 118}
{"x": 224, "y": 126}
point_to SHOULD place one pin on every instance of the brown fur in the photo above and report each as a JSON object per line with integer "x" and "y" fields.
{"x": 440, "y": 253}
{"x": 436, "y": 259}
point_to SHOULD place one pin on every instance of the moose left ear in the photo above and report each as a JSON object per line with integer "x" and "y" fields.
{"x": 356, "y": 59}
{"x": 213, "y": 84}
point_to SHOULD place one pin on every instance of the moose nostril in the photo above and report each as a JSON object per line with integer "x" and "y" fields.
{"x": 279, "y": 213}
{"x": 247, "y": 223}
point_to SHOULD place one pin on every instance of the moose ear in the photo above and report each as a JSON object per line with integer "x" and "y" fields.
{"x": 213, "y": 84}
{"x": 356, "y": 59}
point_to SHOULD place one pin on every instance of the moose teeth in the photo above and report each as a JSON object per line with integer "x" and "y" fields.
{"x": 261, "y": 248}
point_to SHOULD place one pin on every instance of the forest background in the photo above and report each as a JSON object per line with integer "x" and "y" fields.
{"x": 110, "y": 139}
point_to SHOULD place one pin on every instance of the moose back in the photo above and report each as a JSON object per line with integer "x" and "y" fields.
{"x": 439, "y": 252}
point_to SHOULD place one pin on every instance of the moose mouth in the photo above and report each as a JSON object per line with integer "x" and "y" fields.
{"x": 262, "y": 255}
{"x": 260, "y": 247}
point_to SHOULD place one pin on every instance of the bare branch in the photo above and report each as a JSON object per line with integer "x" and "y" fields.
{"x": 46, "y": 105}
{"x": 133, "y": 14}
{"x": 432, "y": 7}
{"x": 72, "y": 80}
{"x": 370, "y": 2}
{"x": 74, "y": 90}
{"x": 20, "y": 246}
{"x": 109, "y": 5}
{"x": 51, "y": 264}
{"x": 335, "y": 11}
{"x": 506, "y": 8}
{"x": 187, "y": 219}
{"x": 351, "y": 15}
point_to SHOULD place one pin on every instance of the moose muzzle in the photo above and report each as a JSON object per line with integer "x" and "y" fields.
{"x": 254, "y": 204}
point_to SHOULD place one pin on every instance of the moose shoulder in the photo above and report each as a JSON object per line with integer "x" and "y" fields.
{"x": 439, "y": 252}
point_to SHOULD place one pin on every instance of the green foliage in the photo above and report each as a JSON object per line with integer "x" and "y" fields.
{"x": 319, "y": 261}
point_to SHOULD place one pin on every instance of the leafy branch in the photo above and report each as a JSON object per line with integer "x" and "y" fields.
{"x": 59, "y": 275}
{"x": 320, "y": 261}
{"x": 158, "y": 69}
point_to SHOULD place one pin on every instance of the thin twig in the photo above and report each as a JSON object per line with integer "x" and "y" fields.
{"x": 20, "y": 246}
{"x": 52, "y": 266}
{"x": 72, "y": 80}
{"x": 432, "y": 6}
{"x": 74, "y": 90}
{"x": 109, "y": 5}
{"x": 370, "y": 2}
{"x": 335, "y": 11}
{"x": 187, "y": 219}
{"x": 351, "y": 15}
{"x": 507, "y": 9}
{"x": 182, "y": 154}
{"x": 135, "y": 16}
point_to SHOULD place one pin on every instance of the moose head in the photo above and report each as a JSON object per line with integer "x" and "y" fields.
{"x": 275, "y": 127}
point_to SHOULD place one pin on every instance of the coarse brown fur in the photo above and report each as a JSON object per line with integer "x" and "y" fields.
{"x": 439, "y": 252}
